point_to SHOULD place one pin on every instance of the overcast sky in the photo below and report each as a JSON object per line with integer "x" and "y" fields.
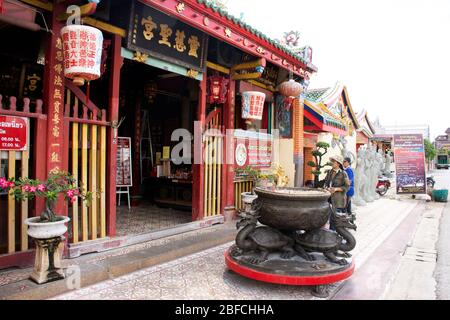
{"x": 393, "y": 55}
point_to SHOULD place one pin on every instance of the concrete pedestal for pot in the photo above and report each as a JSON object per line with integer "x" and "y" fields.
{"x": 49, "y": 240}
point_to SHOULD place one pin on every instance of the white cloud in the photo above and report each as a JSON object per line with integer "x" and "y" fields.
{"x": 393, "y": 56}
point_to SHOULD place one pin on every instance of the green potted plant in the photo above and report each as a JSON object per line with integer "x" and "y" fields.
{"x": 318, "y": 153}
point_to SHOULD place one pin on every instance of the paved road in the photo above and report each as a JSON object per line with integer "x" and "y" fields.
{"x": 442, "y": 272}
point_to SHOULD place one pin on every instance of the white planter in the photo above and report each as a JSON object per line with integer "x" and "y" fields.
{"x": 46, "y": 230}
{"x": 248, "y": 197}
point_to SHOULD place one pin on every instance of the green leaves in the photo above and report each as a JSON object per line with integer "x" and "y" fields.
{"x": 430, "y": 150}
{"x": 61, "y": 183}
{"x": 323, "y": 145}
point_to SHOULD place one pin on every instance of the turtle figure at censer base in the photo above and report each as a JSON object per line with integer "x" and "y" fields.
{"x": 329, "y": 242}
{"x": 282, "y": 240}
{"x": 261, "y": 239}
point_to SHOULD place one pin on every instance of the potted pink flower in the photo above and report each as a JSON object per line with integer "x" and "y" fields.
{"x": 48, "y": 224}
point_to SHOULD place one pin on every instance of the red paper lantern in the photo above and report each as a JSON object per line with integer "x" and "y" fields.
{"x": 217, "y": 90}
{"x": 252, "y": 105}
{"x": 290, "y": 88}
{"x": 82, "y": 50}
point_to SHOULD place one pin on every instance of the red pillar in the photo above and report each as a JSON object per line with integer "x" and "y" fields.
{"x": 54, "y": 101}
{"x": 198, "y": 185}
{"x": 39, "y": 164}
{"x": 228, "y": 167}
{"x": 113, "y": 113}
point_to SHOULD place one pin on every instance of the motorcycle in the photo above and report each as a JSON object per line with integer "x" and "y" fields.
{"x": 383, "y": 185}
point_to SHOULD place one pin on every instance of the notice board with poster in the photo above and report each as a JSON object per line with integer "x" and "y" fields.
{"x": 124, "y": 174}
{"x": 409, "y": 153}
{"x": 252, "y": 149}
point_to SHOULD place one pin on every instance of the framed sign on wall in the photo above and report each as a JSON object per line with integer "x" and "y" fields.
{"x": 124, "y": 174}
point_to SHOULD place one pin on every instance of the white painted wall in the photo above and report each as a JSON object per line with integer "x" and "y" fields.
{"x": 283, "y": 150}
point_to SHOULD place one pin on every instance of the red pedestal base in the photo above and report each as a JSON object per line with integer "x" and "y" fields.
{"x": 296, "y": 280}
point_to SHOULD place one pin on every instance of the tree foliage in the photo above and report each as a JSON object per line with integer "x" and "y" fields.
{"x": 318, "y": 153}
{"x": 430, "y": 150}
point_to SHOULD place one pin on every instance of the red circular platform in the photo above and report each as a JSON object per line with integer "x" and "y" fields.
{"x": 298, "y": 280}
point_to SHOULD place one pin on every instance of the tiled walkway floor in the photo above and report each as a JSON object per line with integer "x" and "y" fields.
{"x": 205, "y": 276}
{"x": 144, "y": 219}
{"x": 147, "y": 218}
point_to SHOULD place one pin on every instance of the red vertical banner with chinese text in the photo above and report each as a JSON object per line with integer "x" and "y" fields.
{"x": 54, "y": 100}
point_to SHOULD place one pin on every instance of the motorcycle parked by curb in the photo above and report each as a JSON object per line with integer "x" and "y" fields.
{"x": 383, "y": 185}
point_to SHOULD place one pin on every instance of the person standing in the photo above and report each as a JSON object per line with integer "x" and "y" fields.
{"x": 337, "y": 183}
{"x": 351, "y": 190}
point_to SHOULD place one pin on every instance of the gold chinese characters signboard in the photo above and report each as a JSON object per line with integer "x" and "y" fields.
{"x": 160, "y": 36}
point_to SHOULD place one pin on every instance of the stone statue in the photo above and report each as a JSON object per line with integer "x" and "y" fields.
{"x": 370, "y": 164}
{"x": 387, "y": 165}
{"x": 342, "y": 144}
{"x": 360, "y": 178}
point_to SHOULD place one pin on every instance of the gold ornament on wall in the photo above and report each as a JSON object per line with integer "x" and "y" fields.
{"x": 140, "y": 57}
{"x": 180, "y": 7}
{"x": 192, "y": 73}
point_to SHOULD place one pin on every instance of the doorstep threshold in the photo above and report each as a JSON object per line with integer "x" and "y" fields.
{"x": 106, "y": 244}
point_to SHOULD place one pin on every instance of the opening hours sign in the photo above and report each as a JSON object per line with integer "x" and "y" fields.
{"x": 13, "y": 133}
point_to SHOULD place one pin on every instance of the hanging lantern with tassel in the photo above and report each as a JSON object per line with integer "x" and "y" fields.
{"x": 82, "y": 49}
{"x": 290, "y": 88}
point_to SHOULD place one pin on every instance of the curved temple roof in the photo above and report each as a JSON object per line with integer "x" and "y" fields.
{"x": 325, "y": 101}
{"x": 242, "y": 24}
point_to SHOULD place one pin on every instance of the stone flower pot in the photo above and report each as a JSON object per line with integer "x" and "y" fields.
{"x": 49, "y": 247}
{"x": 247, "y": 199}
{"x": 46, "y": 230}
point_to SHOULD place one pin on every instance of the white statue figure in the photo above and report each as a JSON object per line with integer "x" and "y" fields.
{"x": 360, "y": 178}
{"x": 378, "y": 169}
{"x": 342, "y": 144}
{"x": 387, "y": 165}
{"x": 369, "y": 163}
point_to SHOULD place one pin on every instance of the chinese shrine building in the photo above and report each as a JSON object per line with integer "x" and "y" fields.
{"x": 169, "y": 69}
{"x": 329, "y": 117}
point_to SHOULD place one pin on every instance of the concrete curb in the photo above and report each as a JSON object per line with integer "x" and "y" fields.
{"x": 113, "y": 267}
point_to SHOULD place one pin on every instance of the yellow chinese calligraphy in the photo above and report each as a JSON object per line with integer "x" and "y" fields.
{"x": 59, "y": 56}
{"x": 55, "y": 157}
{"x": 56, "y": 106}
{"x": 179, "y": 41}
{"x": 57, "y": 94}
{"x": 59, "y": 43}
{"x": 55, "y": 132}
{"x": 56, "y": 118}
{"x": 165, "y": 33}
{"x": 58, "y": 67}
{"x": 33, "y": 81}
{"x": 55, "y": 170}
{"x": 194, "y": 44}
{"x": 58, "y": 81}
{"x": 149, "y": 26}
